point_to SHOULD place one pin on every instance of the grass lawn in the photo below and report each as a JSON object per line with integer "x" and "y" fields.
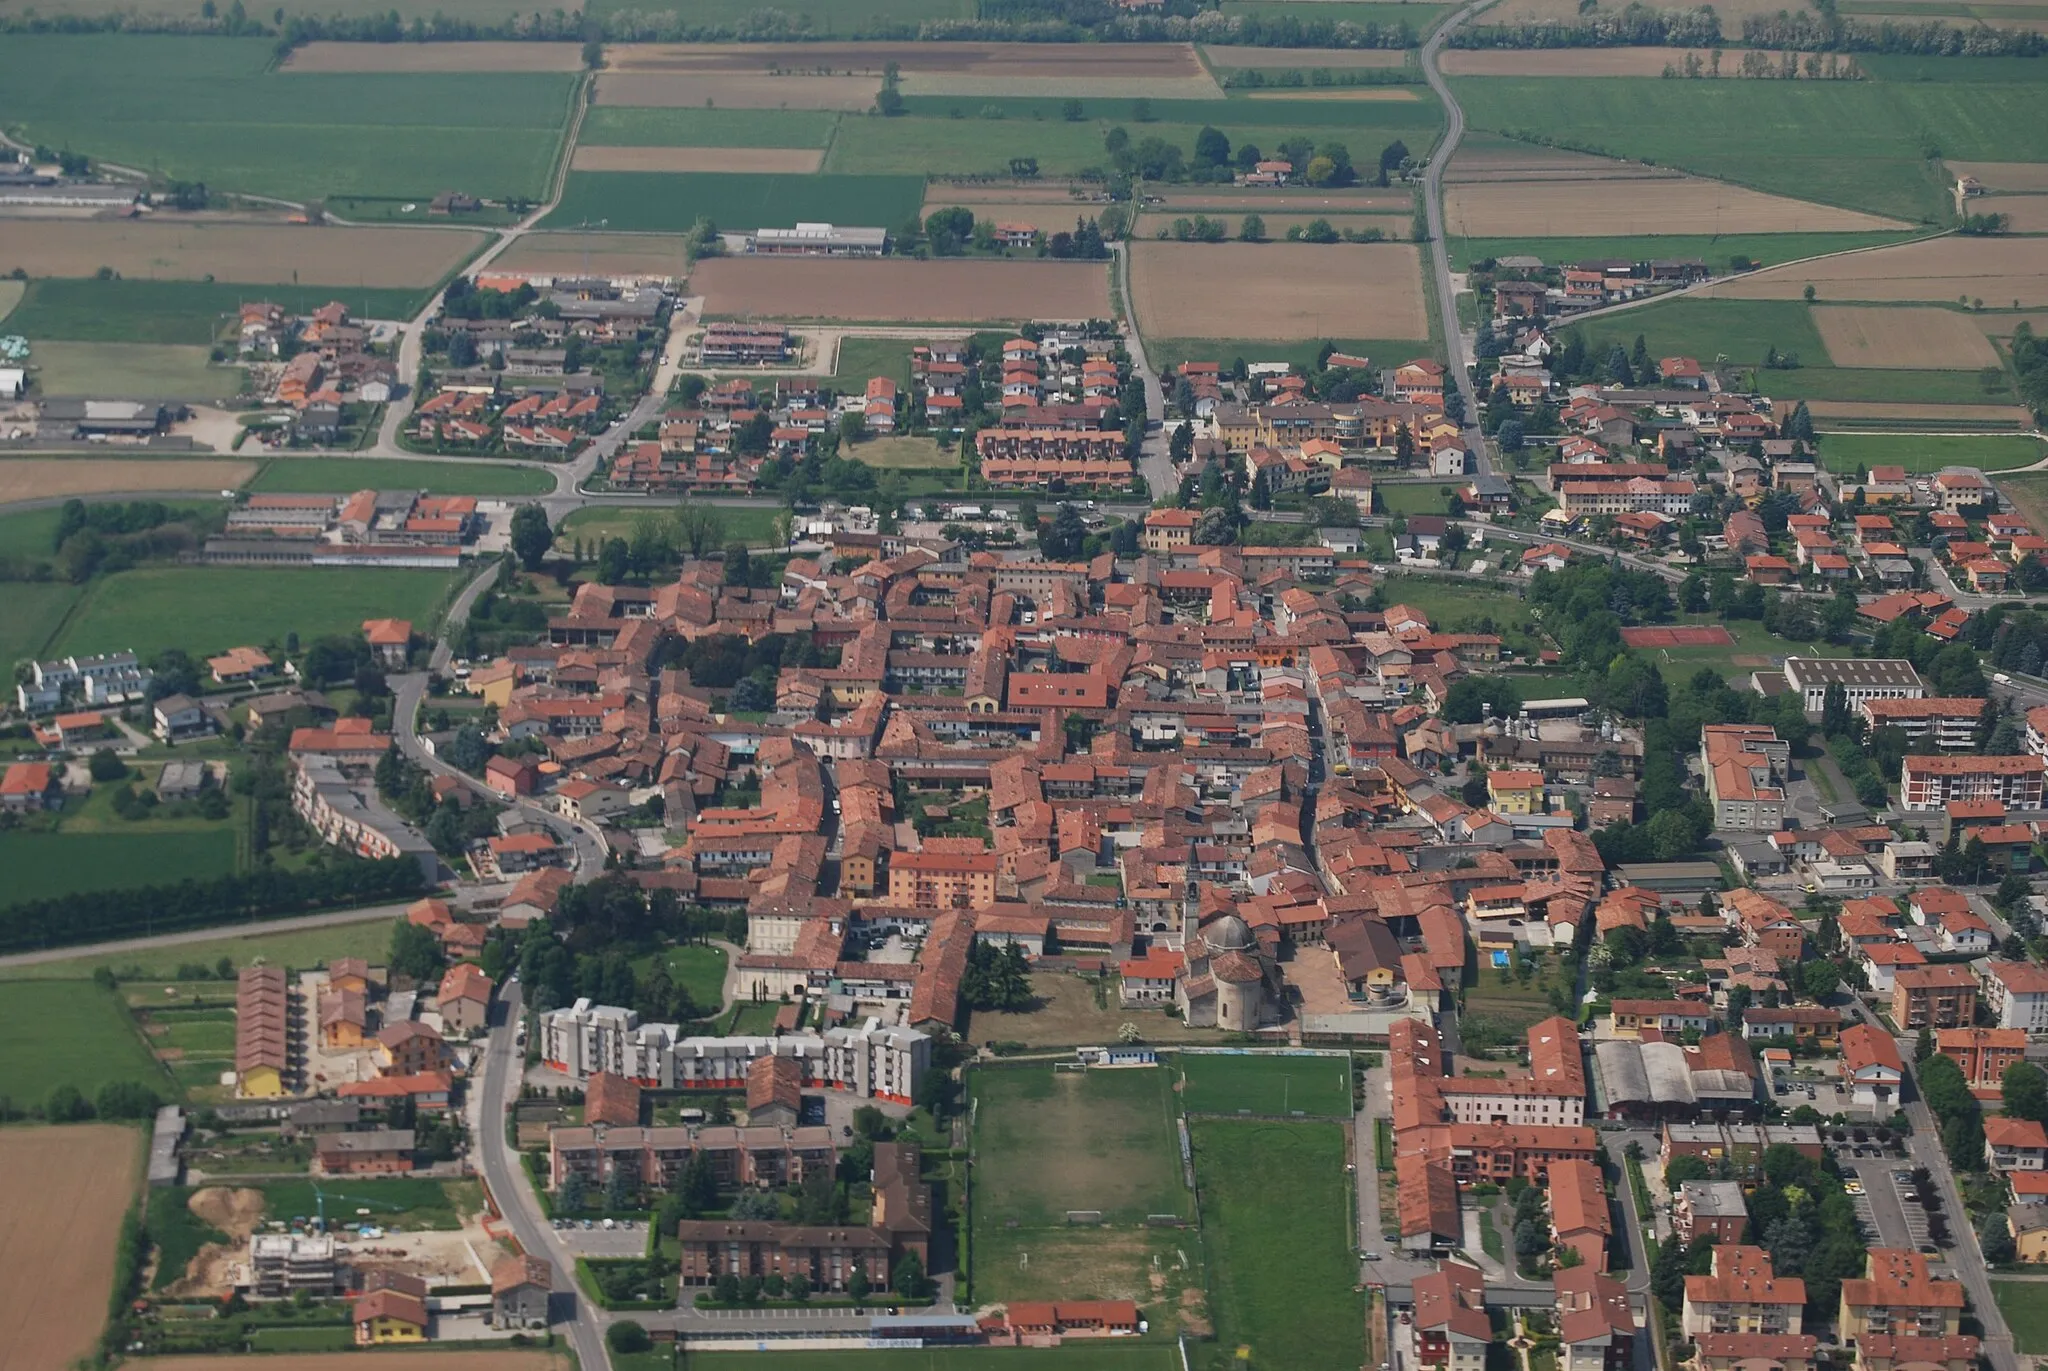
{"x": 750, "y": 524}
{"x": 177, "y": 1232}
{"x": 1066, "y": 1012}
{"x": 218, "y": 112}
{"x": 1415, "y": 497}
{"x": 751, "y": 1020}
{"x": 862, "y": 359}
{"x": 341, "y": 475}
{"x": 151, "y": 969}
{"x": 1715, "y": 249}
{"x": 1265, "y": 1084}
{"x": 34, "y": 612}
{"x": 627, "y": 126}
{"x": 69, "y": 1033}
{"x": 193, "y": 313}
{"x": 1113, "y": 1131}
{"x": 917, "y": 453}
{"x": 160, "y": 371}
{"x": 1844, "y": 452}
{"x": 1506, "y": 1003}
{"x": 2026, "y": 1313}
{"x": 1859, "y": 144}
{"x": 650, "y": 202}
{"x": 1280, "y": 1266}
{"x": 699, "y": 970}
{"x": 43, "y": 866}
{"x": 1452, "y": 602}
{"x": 408, "y": 1202}
{"x": 1080, "y": 1355}
{"x": 209, "y": 609}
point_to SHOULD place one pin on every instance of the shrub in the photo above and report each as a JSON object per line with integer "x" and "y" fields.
{"x": 627, "y": 1337}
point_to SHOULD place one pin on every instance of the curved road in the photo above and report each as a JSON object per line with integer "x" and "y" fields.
{"x": 1433, "y": 207}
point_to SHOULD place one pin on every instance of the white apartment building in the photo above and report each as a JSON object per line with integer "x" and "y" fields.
{"x": 1861, "y": 678}
{"x": 2016, "y": 993}
{"x": 1951, "y": 720}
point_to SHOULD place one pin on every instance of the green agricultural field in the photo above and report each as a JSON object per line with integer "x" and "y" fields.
{"x": 1883, "y": 384}
{"x": 215, "y": 111}
{"x": 1281, "y": 1273}
{"x": 152, "y": 369}
{"x": 369, "y": 939}
{"x": 836, "y": 19}
{"x": 1420, "y": 18}
{"x": 1364, "y": 125}
{"x": 29, "y": 534}
{"x": 971, "y": 146}
{"x": 1266, "y": 1083}
{"x": 208, "y": 609}
{"x": 1845, "y": 452}
{"x": 1862, "y": 144}
{"x": 645, "y": 202}
{"x": 43, "y": 865}
{"x": 69, "y": 1033}
{"x": 1300, "y": 352}
{"x": 324, "y": 475}
{"x": 628, "y": 126}
{"x": 1415, "y": 497}
{"x": 188, "y": 312}
{"x": 10, "y": 296}
{"x": 1080, "y": 1355}
{"x": 1741, "y": 331}
{"x": 1765, "y": 249}
{"x": 35, "y": 611}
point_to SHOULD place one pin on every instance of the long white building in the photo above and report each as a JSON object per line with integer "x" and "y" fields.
{"x": 869, "y": 1060}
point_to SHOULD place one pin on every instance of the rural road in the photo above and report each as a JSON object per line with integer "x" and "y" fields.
{"x": 298, "y": 924}
{"x": 1439, "y": 251}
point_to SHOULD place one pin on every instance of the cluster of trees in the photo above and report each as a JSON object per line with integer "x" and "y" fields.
{"x": 1826, "y": 31}
{"x": 449, "y": 825}
{"x": 115, "y": 1100}
{"x": 2030, "y": 361}
{"x": 1294, "y": 78}
{"x": 718, "y": 661}
{"x": 465, "y": 299}
{"x": 96, "y": 538}
{"x": 266, "y": 892}
{"x": 1948, "y": 1095}
{"x": 996, "y": 979}
{"x": 1633, "y": 27}
{"x": 1757, "y": 65}
{"x": 1801, "y": 1216}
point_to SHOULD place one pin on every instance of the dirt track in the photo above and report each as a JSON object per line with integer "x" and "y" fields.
{"x": 62, "y": 1194}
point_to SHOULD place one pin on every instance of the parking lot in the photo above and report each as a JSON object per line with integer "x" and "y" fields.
{"x": 1886, "y": 1207}
{"x": 589, "y": 1237}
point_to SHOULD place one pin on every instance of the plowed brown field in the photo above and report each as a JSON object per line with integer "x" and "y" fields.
{"x": 2023, "y": 213}
{"x": 690, "y": 89}
{"x": 800, "y": 160}
{"x": 418, "y": 57}
{"x": 1278, "y": 291}
{"x": 41, "y": 478}
{"x": 2029, "y": 176}
{"x": 1499, "y": 209}
{"x": 1911, "y": 339}
{"x": 875, "y": 291}
{"x": 2006, "y": 273}
{"x": 1053, "y": 60}
{"x": 62, "y": 1194}
{"x": 259, "y": 254}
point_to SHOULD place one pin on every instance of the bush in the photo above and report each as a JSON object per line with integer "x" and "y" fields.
{"x": 627, "y": 1337}
{"x": 105, "y": 766}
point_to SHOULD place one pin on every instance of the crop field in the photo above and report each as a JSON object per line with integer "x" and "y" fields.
{"x": 726, "y": 90}
{"x": 391, "y": 1359}
{"x": 750, "y": 160}
{"x": 1281, "y": 1273}
{"x": 846, "y": 17}
{"x": 1230, "y": 200}
{"x": 434, "y": 57}
{"x": 1278, "y": 290}
{"x": 633, "y": 201}
{"x": 1364, "y": 126}
{"x": 1417, "y": 16}
{"x": 1716, "y": 250}
{"x": 10, "y": 296}
{"x": 257, "y": 253}
{"x": 1080, "y": 1354}
{"x": 1266, "y": 1084}
{"x": 2006, "y": 176}
{"x": 946, "y": 291}
{"x": 1918, "y": 339}
{"x": 627, "y": 127}
{"x": 2002, "y": 272}
{"x": 1049, "y": 60}
{"x": 1224, "y": 57}
{"x": 1925, "y": 453}
{"x": 213, "y": 112}
{"x": 194, "y": 312}
{"x": 1857, "y": 144}
{"x": 43, "y": 478}
{"x": 209, "y": 609}
{"x": 69, "y": 1033}
{"x": 159, "y": 371}
{"x": 1930, "y": 415}
{"x": 43, "y": 866}
{"x": 76, "y": 1182}
{"x": 1672, "y": 205}
{"x": 368, "y": 938}
{"x": 610, "y": 254}
{"x": 341, "y": 475}
{"x": 1114, "y": 1134}
{"x": 969, "y": 85}
{"x": 912, "y": 146}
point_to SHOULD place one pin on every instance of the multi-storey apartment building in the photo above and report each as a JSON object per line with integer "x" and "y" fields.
{"x": 1899, "y": 1297}
{"x": 1932, "y": 782}
{"x": 1743, "y": 1295}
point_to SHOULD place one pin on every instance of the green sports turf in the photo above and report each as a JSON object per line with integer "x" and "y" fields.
{"x": 1265, "y": 1083}
{"x": 1114, "y": 1130}
{"x": 336, "y": 475}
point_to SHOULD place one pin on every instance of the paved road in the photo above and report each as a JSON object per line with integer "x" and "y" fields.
{"x": 1439, "y": 254}
{"x": 1154, "y": 462}
{"x": 512, "y": 1189}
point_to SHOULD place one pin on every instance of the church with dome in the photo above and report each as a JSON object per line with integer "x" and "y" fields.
{"x": 1230, "y": 981}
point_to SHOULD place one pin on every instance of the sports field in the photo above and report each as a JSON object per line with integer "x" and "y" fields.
{"x": 189, "y": 312}
{"x": 1844, "y": 452}
{"x": 340, "y": 475}
{"x": 1265, "y": 1084}
{"x": 69, "y": 1033}
{"x": 1281, "y": 1273}
{"x": 63, "y": 1192}
{"x": 160, "y": 371}
{"x": 652, "y": 203}
{"x": 43, "y": 866}
{"x": 212, "y": 111}
{"x": 206, "y": 609}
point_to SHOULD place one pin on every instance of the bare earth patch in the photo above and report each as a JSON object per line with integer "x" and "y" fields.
{"x": 1051, "y": 60}
{"x": 1200, "y": 86}
{"x": 800, "y": 160}
{"x": 2003, "y": 272}
{"x": 606, "y": 254}
{"x": 1679, "y": 205}
{"x": 1564, "y": 61}
{"x": 1382, "y": 93}
{"x": 1910, "y": 339}
{"x": 1278, "y": 291}
{"x": 62, "y": 1194}
{"x": 424, "y": 57}
{"x": 891, "y": 289}
{"x": 1911, "y": 414}
{"x": 1305, "y": 59}
{"x": 2021, "y": 176}
{"x": 173, "y": 249}
{"x": 42, "y": 478}
{"x": 691, "y": 89}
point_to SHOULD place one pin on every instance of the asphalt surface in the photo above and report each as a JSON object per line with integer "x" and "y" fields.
{"x": 1439, "y": 253}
